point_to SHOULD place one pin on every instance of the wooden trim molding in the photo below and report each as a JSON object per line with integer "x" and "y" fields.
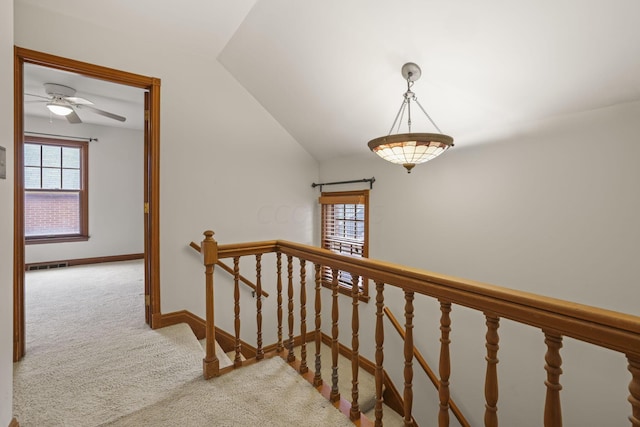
{"x": 14, "y": 423}
{"x": 84, "y": 261}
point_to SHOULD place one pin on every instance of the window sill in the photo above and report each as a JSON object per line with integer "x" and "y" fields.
{"x": 54, "y": 239}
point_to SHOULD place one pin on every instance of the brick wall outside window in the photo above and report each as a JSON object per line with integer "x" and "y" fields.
{"x": 51, "y": 213}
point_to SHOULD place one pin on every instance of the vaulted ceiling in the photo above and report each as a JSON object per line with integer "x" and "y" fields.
{"x": 329, "y": 71}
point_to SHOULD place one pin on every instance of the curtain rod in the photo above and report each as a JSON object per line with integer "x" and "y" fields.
{"x": 369, "y": 180}
{"x": 82, "y": 138}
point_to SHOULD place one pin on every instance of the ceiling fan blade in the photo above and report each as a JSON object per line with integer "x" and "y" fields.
{"x": 77, "y": 100}
{"x": 38, "y": 96}
{"x": 102, "y": 112}
{"x": 73, "y": 117}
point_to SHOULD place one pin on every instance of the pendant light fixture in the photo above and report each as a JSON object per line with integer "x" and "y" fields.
{"x": 410, "y": 149}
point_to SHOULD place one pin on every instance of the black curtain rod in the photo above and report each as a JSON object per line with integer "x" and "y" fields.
{"x": 369, "y": 180}
{"x": 62, "y": 136}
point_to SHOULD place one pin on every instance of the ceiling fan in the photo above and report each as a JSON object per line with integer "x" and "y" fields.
{"x": 62, "y": 102}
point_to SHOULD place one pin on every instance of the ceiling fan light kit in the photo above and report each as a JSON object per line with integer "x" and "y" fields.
{"x": 410, "y": 149}
{"x": 62, "y": 102}
{"x": 59, "y": 108}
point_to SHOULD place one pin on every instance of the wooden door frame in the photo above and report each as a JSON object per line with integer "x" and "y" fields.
{"x": 151, "y": 190}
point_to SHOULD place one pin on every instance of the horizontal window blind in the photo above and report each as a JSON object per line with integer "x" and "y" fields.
{"x": 345, "y": 230}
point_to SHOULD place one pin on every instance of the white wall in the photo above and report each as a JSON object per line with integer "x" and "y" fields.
{"x": 553, "y": 211}
{"x": 226, "y": 164}
{"x": 116, "y": 192}
{"x": 6, "y": 214}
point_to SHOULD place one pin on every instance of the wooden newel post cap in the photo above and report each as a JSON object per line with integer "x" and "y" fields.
{"x": 209, "y": 248}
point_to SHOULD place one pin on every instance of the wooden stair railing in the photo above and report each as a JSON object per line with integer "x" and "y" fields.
{"x": 230, "y": 270}
{"x": 553, "y": 317}
{"x": 426, "y": 368}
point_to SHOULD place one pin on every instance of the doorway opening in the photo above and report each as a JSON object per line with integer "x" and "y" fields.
{"x": 151, "y": 87}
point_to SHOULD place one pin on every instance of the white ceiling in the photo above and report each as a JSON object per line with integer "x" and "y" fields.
{"x": 329, "y": 71}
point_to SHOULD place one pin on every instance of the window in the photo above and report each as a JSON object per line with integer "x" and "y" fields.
{"x": 55, "y": 190}
{"x": 345, "y": 230}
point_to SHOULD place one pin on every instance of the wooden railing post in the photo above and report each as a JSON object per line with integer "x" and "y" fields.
{"x": 408, "y": 359}
{"x": 445, "y": 364}
{"x": 317, "y": 379}
{"x": 290, "y": 356}
{"x": 279, "y": 346}
{"x": 379, "y": 351}
{"x": 303, "y": 317}
{"x": 355, "y": 348}
{"x": 335, "y": 392}
{"x": 237, "y": 361}
{"x": 634, "y": 389}
{"x": 210, "y": 363}
{"x": 552, "y": 407}
{"x": 259, "y": 349}
{"x": 491, "y": 377}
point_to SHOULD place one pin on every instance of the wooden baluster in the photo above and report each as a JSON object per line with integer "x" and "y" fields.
{"x": 355, "y": 345}
{"x": 210, "y": 363}
{"x": 335, "y": 393}
{"x": 237, "y": 361}
{"x": 303, "y": 318}
{"x": 445, "y": 364}
{"x": 552, "y": 409}
{"x": 408, "y": 358}
{"x": 379, "y": 351}
{"x": 291, "y": 356}
{"x": 317, "y": 379}
{"x": 634, "y": 389}
{"x": 491, "y": 377}
{"x": 259, "y": 349}
{"x": 279, "y": 346}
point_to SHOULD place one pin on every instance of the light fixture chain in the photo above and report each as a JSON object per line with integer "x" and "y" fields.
{"x": 427, "y": 114}
{"x": 404, "y": 108}
{"x": 400, "y": 111}
{"x": 409, "y": 114}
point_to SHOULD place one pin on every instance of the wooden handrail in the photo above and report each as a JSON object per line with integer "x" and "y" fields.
{"x": 426, "y": 368}
{"x": 610, "y": 329}
{"x": 229, "y": 270}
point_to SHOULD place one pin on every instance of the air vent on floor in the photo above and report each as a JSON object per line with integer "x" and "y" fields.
{"x": 47, "y": 266}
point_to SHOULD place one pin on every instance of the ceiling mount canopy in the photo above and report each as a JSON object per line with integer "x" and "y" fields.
{"x": 410, "y": 149}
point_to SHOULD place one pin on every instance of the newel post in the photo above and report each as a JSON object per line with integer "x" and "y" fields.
{"x": 210, "y": 363}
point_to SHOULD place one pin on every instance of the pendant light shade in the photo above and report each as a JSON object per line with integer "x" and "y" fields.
{"x": 410, "y": 149}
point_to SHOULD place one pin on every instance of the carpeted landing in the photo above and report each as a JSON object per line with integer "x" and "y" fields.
{"x": 91, "y": 361}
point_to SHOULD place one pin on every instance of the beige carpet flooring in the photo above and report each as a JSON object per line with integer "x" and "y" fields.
{"x": 92, "y": 361}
